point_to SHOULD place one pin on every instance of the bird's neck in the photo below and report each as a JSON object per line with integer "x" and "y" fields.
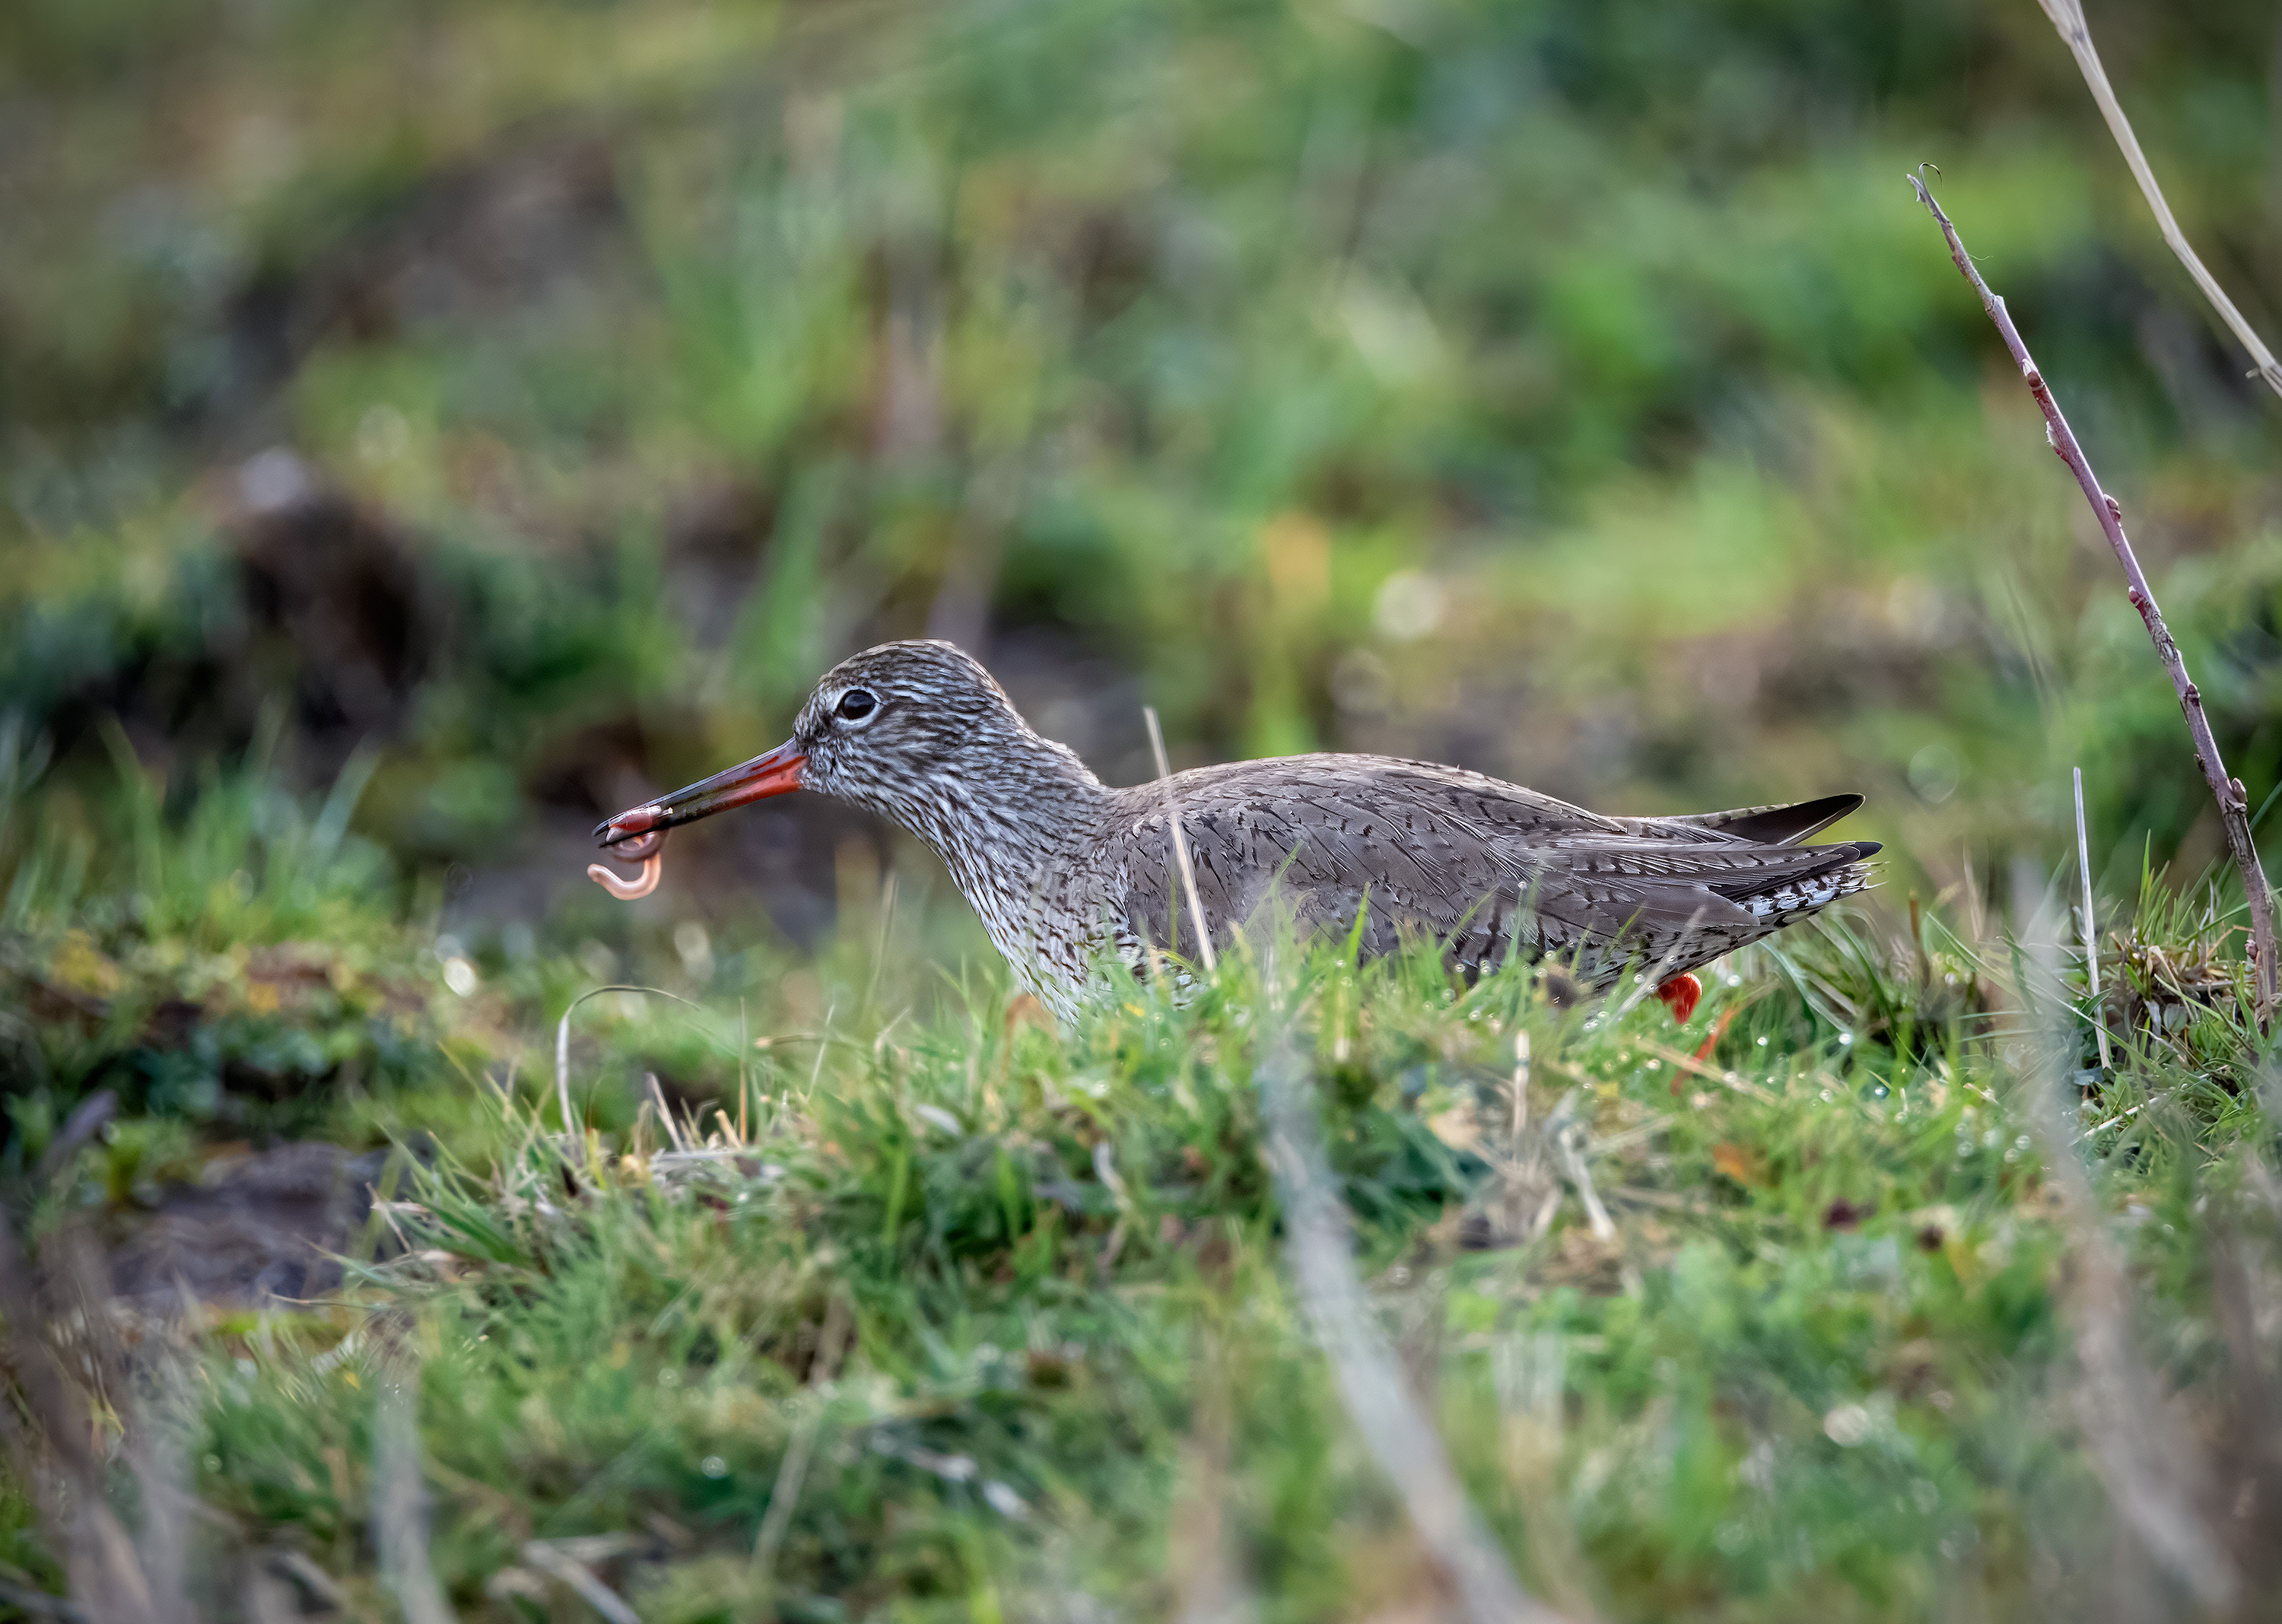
{"x": 1012, "y": 806}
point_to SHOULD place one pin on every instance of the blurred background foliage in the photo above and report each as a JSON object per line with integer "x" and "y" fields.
{"x": 427, "y": 428}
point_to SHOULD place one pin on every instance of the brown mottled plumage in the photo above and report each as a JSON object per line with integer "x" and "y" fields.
{"x": 1062, "y": 869}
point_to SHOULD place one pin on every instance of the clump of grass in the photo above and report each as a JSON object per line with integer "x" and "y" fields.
{"x": 235, "y": 961}
{"x": 977, "y": 1315}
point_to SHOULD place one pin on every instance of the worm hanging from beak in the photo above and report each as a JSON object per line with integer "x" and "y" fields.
{"x": 648, "y": 850}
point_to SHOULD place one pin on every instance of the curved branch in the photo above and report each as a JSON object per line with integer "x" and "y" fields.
{"x": 2233, "y": 801}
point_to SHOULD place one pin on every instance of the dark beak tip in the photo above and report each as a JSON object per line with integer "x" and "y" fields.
{"x": 627, "y": 825}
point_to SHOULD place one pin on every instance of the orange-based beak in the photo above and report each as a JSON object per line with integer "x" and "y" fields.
{"x": 777, "y": 772}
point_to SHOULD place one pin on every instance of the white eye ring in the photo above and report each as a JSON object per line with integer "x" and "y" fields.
{"x": 856, "y": 707}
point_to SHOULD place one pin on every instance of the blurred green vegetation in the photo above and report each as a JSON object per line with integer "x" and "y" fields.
{"x": 1566, "y": 389}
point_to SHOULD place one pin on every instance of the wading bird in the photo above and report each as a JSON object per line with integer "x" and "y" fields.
{"x": 1063, "y": 870}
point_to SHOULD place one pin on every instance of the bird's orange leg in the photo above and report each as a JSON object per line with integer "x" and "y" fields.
{"x": 1718, "y": 1030}
{"x": 1680, "y": 995}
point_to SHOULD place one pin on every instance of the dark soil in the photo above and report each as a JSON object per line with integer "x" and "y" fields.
{"x": 269, "y": 1226}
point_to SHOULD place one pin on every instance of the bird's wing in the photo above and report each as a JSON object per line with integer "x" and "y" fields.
{"x": 1364, "y": 785}
{"x": 1415, "y": 848}
{"x": 1425, "y": 850}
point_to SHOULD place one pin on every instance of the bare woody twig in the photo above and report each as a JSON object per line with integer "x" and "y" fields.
{"x": 2067, "y": 17}
{"x": 2233, "y": 800}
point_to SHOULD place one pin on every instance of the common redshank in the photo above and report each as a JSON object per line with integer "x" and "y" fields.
{"x": 1063, "y": 870}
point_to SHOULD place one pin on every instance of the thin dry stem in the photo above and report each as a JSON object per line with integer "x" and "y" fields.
{"x": 549, "y": 1557}
{"x": 2233, "y": 801}
{"x": 106, "y": 1577}
{"x": 1180, "y": 842}
{"x": 1378, "y": 1397}
{"x": 666, "y": 1114}
{"x": 776, "y": 1523}
{"x": 400, "y": 1499}
{"x": 2091, "y": 929}
{"x": 2157, "y": 1473}
{"x": 2067, "y": 17}
{"x": 1572, "y": 1165}
{"x": 562, "y": 1042}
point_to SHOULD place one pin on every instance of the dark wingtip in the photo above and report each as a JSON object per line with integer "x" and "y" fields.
{"x": 1782, "y": 826}
{"x": 1866, "y": 848}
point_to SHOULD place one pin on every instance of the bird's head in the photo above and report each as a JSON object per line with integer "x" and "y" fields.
{"x": 916, "y": 731}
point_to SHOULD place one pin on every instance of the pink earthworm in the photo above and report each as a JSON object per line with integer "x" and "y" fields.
{"x": 648, "y": 850}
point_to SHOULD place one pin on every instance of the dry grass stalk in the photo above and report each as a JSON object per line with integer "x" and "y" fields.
{"x": 1378, "y": 1397}
{"x": 1527, "y": 1193}
{"x": 666, "y": 1114}
{"x": 1565, "y": 1133}
{"x": 106, "y": 1577}
{"x": 2157, "y": 1473}
{"x": 776, "y": 1523}
{"x": 1179, "y": 844}
{"x": 1209, "y": 1587}
{"x": 562, "y": 1044}
{"x": 560, "y": 1559}
{"x": 2233, "y": 800}
{"x": 2067, "y": 17}
{"x": 400, "y": 1500}
{"x": 2090, "y": 928}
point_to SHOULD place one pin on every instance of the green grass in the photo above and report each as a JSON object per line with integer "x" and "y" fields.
{"x": 1819, "y": 1370}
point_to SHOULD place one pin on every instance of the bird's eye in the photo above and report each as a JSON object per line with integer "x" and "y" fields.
{"x": 856, "y": 705}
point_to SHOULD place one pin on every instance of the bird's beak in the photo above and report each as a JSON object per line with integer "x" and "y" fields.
{"x": 777, "y": 772}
